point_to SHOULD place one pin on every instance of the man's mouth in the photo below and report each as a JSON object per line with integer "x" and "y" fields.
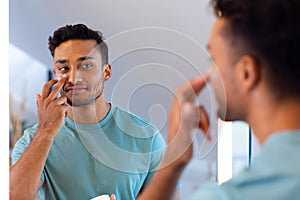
{"x": 75, "y": 89}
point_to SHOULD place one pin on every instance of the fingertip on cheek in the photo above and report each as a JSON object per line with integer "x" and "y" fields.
{"x": 65, "y": 77}
{"x": 59, "y": 77}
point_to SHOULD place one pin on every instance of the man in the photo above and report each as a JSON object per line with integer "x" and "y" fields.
{"x": 254, "y": 45}
{"x": 83, "y": 146}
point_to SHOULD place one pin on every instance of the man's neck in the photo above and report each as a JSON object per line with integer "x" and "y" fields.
{"x": 267, "y": 121}
{"x": 90, "y": 114}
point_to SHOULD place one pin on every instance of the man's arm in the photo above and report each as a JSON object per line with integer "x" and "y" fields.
{"x": 184, "y": 118}
{"x": 25, "y": 174}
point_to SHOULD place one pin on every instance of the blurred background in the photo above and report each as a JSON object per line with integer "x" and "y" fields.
{"x": 154, "y": 46}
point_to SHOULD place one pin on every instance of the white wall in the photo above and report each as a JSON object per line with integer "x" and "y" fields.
{"x": 26, "y": 78}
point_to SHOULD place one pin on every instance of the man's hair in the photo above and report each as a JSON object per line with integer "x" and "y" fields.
{"x": 78, "y": 32}
{"x": 269, "y": 30}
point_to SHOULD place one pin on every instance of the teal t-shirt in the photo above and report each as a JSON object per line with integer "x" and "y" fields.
{"x": 274, "y": 175}
{"x": 118, "y": 155}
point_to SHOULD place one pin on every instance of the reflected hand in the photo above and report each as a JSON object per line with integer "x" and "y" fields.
{"x": 52, "y": 109}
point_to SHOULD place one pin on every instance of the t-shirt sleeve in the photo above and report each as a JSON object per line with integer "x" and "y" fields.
{"x": 22, "y": 144}
{"x": 18, "y": 150}
{"x": 157, "y": 153}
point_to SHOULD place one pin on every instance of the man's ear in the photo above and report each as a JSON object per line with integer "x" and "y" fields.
{"x": 249, "y": 71}
{"x": 107, "y": 72}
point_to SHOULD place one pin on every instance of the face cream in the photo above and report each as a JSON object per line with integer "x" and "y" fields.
{"x": 101, "y": 197}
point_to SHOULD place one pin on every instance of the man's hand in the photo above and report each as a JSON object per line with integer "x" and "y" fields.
{"x": 25, "y": 175}
{"x": 51, "y": 108}
{"x": 185, "y": 117}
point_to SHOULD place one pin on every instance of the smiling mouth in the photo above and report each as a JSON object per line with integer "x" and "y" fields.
{"x": 76, "y": 89}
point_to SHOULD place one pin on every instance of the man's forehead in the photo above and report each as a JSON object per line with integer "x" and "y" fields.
{"x": 218, "y": 27}
{"x": 215, "y": 34}
{"x": 77, "y": 53}
{"x": 77, "y": 45}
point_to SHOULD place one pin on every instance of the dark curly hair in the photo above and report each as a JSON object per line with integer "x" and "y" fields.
{"x": 78, "y": 32}
{"x": 270, "y": 31}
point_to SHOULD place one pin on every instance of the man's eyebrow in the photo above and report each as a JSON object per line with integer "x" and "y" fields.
{"x": 62, "y": 61}
{"x": 85, "y": 58}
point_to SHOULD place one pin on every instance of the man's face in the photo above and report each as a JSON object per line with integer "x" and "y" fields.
{"x": 223, "y": 73}
{"x": 82, "y": 62}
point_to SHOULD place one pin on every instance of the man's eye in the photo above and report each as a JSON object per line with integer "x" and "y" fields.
{"x": 64, "y": 69}
{"x": 86, "y": 65}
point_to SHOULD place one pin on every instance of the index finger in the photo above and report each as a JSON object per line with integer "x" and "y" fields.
{"x": 190, "y": 91}
{"x": 58, "y": 87}
{"x": 198, "y": 84}
{"x": 47, "y": 88}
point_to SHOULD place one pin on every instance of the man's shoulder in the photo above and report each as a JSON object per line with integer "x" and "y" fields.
{"x": 136, "y": 118}
{"x": 128, "y": 119}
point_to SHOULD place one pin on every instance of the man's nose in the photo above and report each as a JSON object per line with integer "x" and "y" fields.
{"x": 75, "y": 75}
